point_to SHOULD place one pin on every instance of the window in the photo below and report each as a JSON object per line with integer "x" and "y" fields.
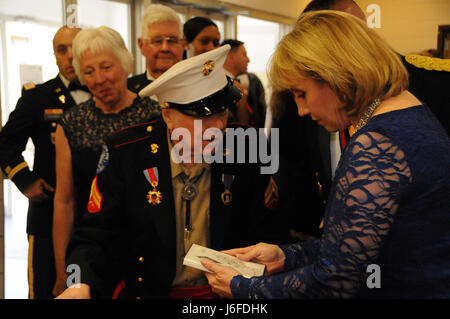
{"x": 116, "y": 15}
{"x": 260, "y": 38}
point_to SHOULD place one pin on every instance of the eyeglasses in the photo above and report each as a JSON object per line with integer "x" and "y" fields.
{"x": 158, "y": 41}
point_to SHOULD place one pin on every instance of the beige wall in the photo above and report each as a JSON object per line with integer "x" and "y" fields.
{"x": 288, "y": 8}
{"x": 411, "y": 25}
{"x": 408, "y": 25}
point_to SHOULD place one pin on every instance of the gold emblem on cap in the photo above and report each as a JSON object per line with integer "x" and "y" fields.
{"x": 208, "y": 67}
{"x": 154, "y": 148}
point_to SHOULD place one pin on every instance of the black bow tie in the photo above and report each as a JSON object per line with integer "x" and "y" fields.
{"x": 73, "y": 86}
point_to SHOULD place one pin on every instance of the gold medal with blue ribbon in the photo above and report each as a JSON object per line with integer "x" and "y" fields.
{"x": 154, "y": 196}
{"x": 227, "y": 197}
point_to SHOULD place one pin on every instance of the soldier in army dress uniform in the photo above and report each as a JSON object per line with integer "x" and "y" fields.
{"x": 35, "y": 116}
{"x": 146, "y": 210}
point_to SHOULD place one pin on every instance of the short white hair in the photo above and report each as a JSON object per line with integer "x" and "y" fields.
{"x": 98, "y": 40}
{"x": 159, "y": 13}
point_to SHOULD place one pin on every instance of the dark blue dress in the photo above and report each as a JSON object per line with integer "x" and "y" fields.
{"x": 389, "y": 206}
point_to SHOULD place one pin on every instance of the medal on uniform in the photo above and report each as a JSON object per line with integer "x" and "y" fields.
{"x": 62, "y": 98}
{"x": 227, "y": 197}
{"x": 154, "y": 148}
{"x": 154, "y": 196}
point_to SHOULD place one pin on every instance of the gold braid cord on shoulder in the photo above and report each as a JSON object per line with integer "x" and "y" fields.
{"x": 428, "y": 63}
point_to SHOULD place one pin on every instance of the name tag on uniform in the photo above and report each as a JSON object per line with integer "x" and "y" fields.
{"x": 52, "y": 114}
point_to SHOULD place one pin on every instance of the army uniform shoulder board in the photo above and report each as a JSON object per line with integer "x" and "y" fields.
{"x": 428, "y": 63}
{"x": 29, "y": 85}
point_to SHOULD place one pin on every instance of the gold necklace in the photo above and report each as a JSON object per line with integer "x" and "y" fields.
{"x": 367, "y": 114}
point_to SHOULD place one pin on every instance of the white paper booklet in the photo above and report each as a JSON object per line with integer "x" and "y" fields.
{"x": 246, "y": 268}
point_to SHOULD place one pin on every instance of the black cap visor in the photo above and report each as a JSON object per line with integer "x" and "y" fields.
{"x": 212, "y": 104}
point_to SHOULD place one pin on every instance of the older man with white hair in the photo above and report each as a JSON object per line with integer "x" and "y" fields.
{"x": 161, "y": 43}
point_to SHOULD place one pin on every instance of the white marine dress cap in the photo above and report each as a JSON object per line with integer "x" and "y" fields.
{"x": 196, "y": 86}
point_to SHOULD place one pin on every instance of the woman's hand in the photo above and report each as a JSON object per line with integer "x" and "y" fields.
{"x": 269, "y": 255}
{"x": 220, "y": 278}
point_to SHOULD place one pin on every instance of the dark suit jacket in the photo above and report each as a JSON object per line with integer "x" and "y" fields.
{"x": 35, "y": 116}
{"x": 138, "y": 82}
{"x": 304, "y": 175}
{"x": 432, "y": 88}
{"x": 257, "y": 100}
{"x": 142, "y": 237}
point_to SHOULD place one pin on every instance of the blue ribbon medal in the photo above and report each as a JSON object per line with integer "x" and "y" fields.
{"x": 227, "y": 197}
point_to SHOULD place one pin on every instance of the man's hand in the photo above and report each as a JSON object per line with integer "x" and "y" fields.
{"x": 78, "y": 291}
{"x": 36, "y": 190}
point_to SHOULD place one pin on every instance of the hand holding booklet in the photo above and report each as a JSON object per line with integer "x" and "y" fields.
{"x": 246, "y": 268}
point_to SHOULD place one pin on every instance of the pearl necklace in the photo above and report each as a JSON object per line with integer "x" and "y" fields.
{"x": 367, "y": 114}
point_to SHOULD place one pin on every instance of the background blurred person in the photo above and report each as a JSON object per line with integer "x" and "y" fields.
{"x": 236, "y": 68}
{"x": 161, "y": 43}
{"x": 202, "y": 35}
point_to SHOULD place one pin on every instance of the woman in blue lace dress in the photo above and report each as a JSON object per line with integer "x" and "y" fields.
{"x": 387, "y": 223}
{"x": 103, "y": 63}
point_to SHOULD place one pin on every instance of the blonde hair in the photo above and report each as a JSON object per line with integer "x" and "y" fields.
{"x": 98, "y": 40}
{"x": 340, "y": 50}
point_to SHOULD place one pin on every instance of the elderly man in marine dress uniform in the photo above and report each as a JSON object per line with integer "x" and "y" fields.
{"x": 146, "y": 208}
